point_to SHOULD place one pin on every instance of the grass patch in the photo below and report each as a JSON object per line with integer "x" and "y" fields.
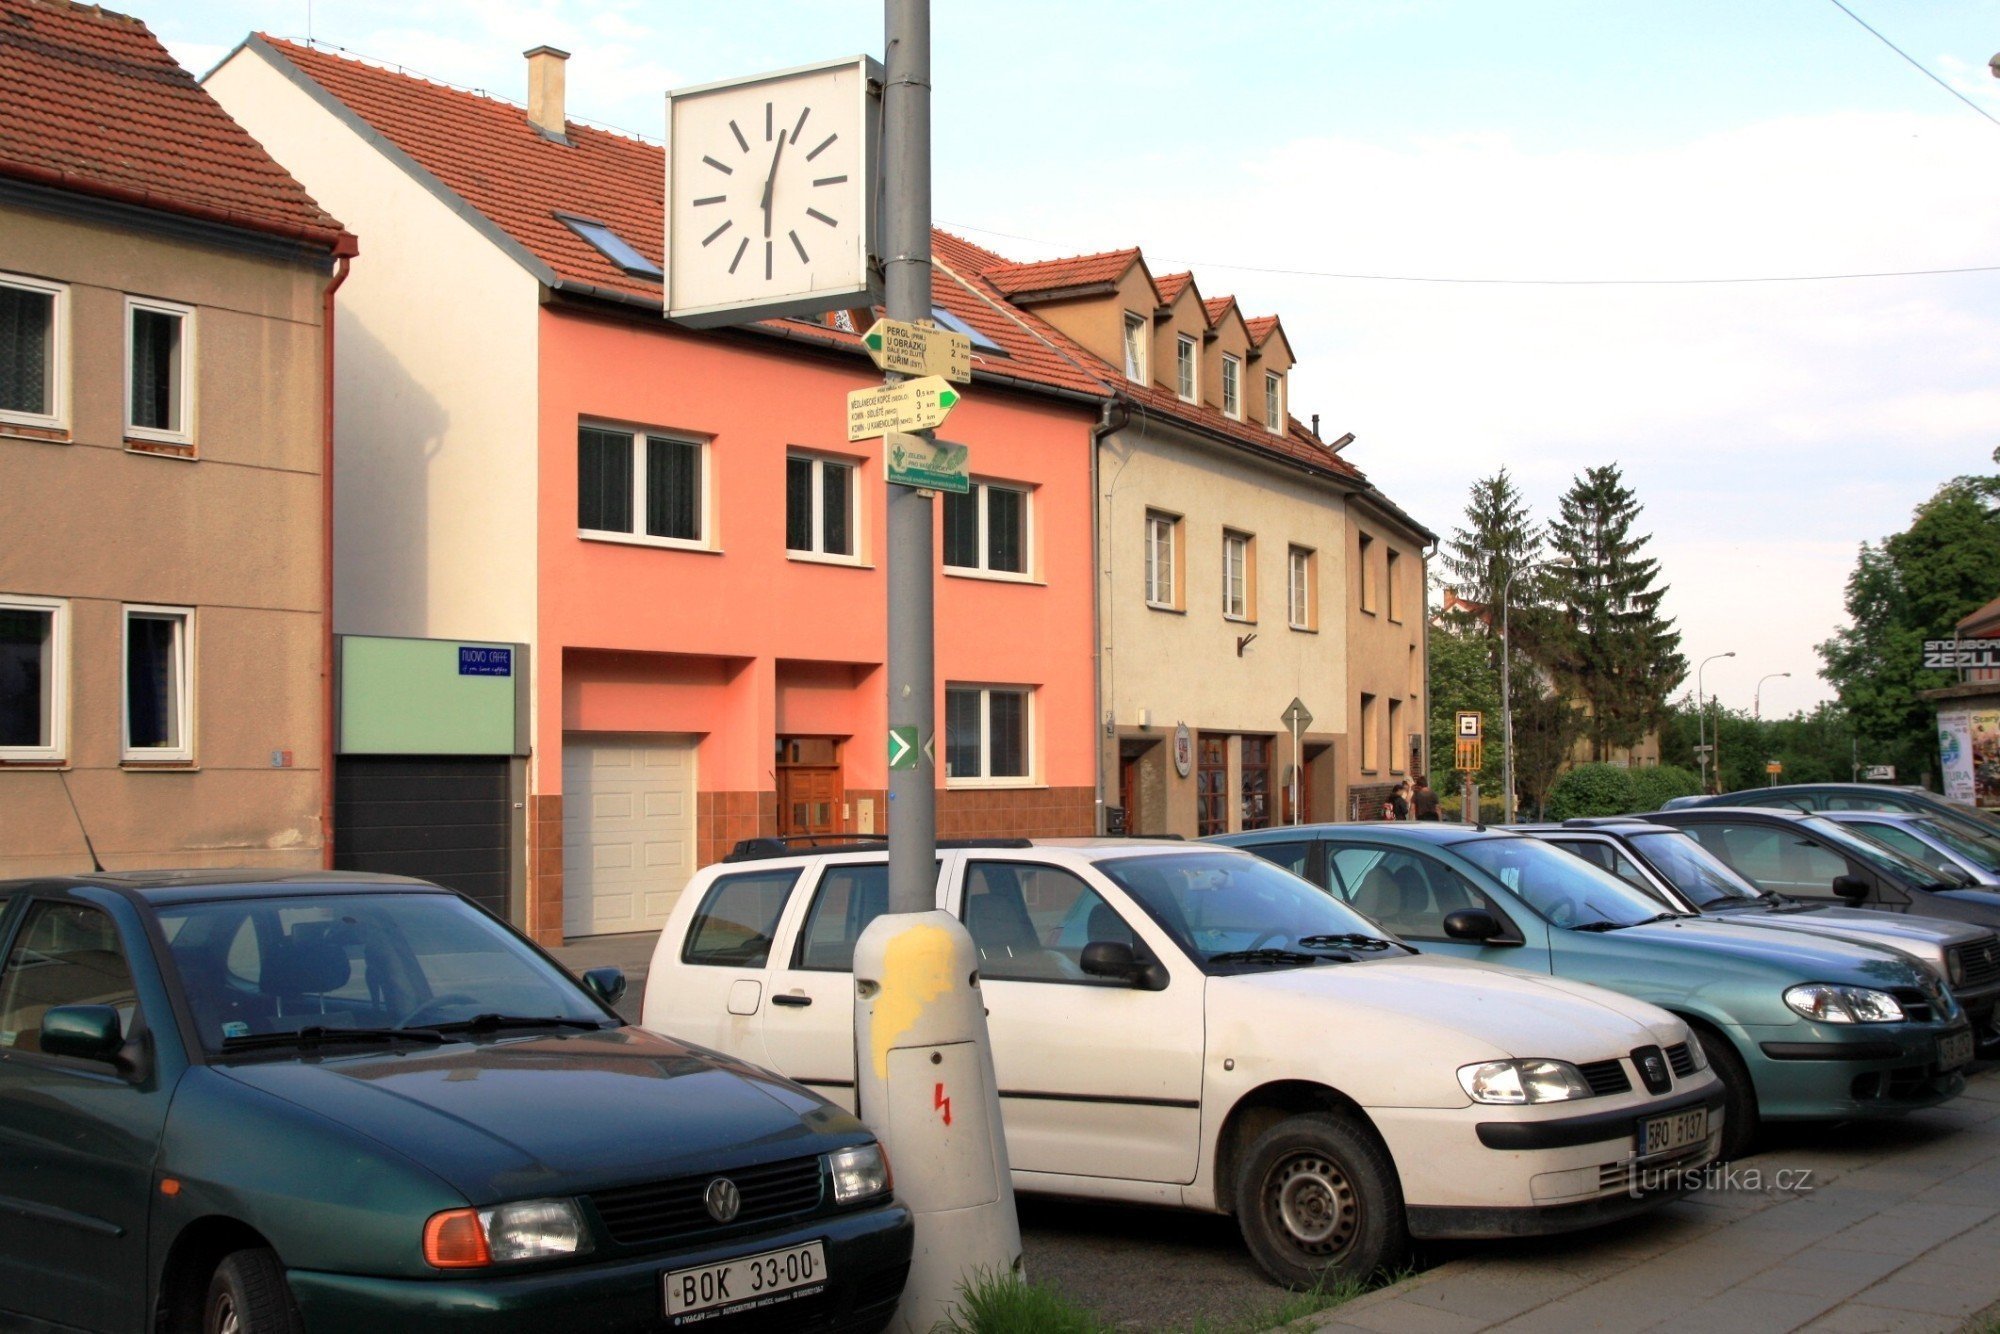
{"x": 1003, "y": 1304}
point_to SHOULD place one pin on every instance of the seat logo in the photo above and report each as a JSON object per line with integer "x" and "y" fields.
{"x": 723, "y": 1199}
{"x": 1651, "y": 1063}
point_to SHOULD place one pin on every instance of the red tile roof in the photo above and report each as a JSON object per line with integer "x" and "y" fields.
{"x": 95, "y": 105}
{"x": 1054, "y": 275}
{"x": 485, "y": 151}
{"x": 1171, "y": 285}
{"x": 1260, "y": 328}
{"x": 1218, "y": 306}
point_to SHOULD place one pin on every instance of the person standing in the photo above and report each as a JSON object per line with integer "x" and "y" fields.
{"x": 1399, "y": 801}
{"x": 1425, "y": 801}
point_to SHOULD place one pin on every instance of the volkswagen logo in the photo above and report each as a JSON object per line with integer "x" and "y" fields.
{"x": 722, "y": 1199}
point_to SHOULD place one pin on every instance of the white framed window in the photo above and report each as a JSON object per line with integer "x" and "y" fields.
{"x": 1187, "y": 367}
{"x": 34, "y": 353}
{"x": 34, "y": 678}
{"x": 641, "y": 486}
{"x": 1274, "y": 402}
{"x": 159, "y": 695}
{"x": 1163, "y": 560}
{"x": 820, "y": 505}
{"x": 1232, "y": 386}
{"x": 159, "y": 371}
{"x": 987, "y": 529}
{"x": 1239, "y": 573}
{"x": 1301, "y": 587}
{"x": 989, "y": 735}
{"x": 1135, "y": 347}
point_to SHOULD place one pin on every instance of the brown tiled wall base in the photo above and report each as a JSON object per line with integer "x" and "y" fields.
{"x": 545, "y": 869}
{"x": 1034, "y": 812}
{"x": 723, "y": 818}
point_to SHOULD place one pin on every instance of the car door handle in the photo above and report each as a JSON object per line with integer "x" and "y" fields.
{"x": 794, "y": 1000}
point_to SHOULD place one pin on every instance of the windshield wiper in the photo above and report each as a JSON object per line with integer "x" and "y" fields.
{"x": 1353, "y": 939}
{"x": 317, "y": 1034}
{"x": 489, "y": 1023}
{"x": 1620, "y": 926}
{"x": 1274, "y": 956}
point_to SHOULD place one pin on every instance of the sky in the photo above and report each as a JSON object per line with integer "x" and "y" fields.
{"x": 1317, "y": 160}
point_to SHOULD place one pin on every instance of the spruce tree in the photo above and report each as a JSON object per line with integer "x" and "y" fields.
{"x": 1498, "y": 537}
{"x": 1610, "y": 646}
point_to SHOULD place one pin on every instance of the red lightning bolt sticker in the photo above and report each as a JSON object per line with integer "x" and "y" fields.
{"x": 942, "y": 1103}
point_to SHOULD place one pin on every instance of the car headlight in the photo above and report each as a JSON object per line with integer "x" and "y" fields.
{"x": 1696, "y": 1052}
{"x": 859, "y": 1173}
{"x": 1954, "y": 967}
{"x": 504, "y": 1234}
{"x": 1831, "y": 1004}
{"x": 1522, "y": 1081}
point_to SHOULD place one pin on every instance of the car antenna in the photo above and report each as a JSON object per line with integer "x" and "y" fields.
{"x": 88, "y": 846}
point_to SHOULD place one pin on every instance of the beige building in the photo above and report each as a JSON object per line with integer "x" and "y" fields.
{"x": 1232, "y": 545}
{"x": 163, "y": 594}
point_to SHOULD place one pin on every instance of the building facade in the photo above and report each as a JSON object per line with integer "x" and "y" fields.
{"x": 163, "y": 288}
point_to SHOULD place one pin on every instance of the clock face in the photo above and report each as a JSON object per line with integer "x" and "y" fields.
{"x": 770, "y": 187}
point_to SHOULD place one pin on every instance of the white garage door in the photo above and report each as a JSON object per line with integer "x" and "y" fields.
{"x": 628, "y": 830}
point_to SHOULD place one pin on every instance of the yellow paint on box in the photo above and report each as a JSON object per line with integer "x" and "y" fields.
{"x": 916, "y": 970}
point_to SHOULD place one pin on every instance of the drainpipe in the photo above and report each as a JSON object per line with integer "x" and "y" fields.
{"x": 1111, "y": 416}
{"x": 344, "y": 251}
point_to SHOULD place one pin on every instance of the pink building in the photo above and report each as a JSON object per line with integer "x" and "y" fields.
{"x": 669, "y": 528}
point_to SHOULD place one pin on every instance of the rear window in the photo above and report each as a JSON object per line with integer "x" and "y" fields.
{"x": 738, "y": 917}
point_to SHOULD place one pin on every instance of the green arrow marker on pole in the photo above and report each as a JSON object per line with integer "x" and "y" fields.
{"x": 902, "y": 748}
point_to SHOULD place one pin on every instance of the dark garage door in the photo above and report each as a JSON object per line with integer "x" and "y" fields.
{"x": 441, "y": 818}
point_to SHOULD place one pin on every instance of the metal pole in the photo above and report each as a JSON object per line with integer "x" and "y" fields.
{"x": 1701, "y": 722}
{"x": 1298, "y": 765}
{"x": 1506, "y": 703}
{"x": 906, "y": 276}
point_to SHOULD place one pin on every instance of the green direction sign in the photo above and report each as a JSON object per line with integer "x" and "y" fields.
{"x": 933, "y": 465}
{"x": 902, "y": 748}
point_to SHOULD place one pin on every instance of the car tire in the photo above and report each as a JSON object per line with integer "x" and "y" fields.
{"x": 1739, "y": 1095}
{"x": 1318, "y": 1202}
{"x": 249, "y": 1295}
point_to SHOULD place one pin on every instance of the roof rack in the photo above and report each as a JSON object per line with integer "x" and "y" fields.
{"x": 790, "y": 845}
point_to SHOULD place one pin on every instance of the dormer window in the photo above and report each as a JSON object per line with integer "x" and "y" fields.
{"x": 1187, "y": 369}
{"x": 1135, "y": 348}
{"x": 1274, "y": 402}
{"x": 1232, "y": 386}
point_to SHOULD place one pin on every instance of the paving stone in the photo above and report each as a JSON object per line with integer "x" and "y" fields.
{"x": 1410, "y": 1317}
{"x": 1835, "y": 1284}
{"x": 1856, "y": 1318}
{"x": 1743, "y": 1308}
{"x": 1906, "y": 1294}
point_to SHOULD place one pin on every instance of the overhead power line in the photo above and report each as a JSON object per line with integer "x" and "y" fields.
{"x": 1514, "y": 282}
{"x": 1914, "y": 63}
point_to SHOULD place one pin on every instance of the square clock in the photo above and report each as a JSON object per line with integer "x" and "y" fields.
{"x": 771, "y": 194}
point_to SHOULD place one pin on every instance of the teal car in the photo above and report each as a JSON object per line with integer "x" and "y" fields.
{"x": 247, "y": 1103}
{"x": 1796, "y": 1028}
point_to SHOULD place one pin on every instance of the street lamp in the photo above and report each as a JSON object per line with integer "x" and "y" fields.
{"x": 1701, "y": 721}
{"x": 1507, "y": 698}
{"x": 1757, "y": 696}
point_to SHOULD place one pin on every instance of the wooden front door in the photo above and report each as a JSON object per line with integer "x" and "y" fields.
{"x": 809, "y": 800}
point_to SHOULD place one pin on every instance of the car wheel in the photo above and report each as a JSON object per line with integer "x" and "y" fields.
{"x": 1739, "y": 1095}
{"x": 1318, "y": 1202}
{"x": 248, "y": 1295}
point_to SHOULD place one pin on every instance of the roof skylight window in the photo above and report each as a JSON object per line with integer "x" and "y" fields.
{"x": 946, "y": 320}
{"x": 612, "y": 246}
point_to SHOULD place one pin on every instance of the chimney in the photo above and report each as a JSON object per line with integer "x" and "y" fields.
{"x": 545, "y": 91}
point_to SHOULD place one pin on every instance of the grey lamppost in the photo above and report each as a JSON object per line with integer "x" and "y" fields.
{"x": 1701, "y": 721}
{"x": 1757, "y": 697}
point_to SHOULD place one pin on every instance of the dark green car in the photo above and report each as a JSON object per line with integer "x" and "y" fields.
{"x": 247, "y": 1102}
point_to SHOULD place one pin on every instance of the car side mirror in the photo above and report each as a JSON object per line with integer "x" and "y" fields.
{"x": 1471, "y": 924}
{"x": 1110, "y": 958}
{"x": 607, "y": 984}
{"x": 1850, "y": 887}
{"x": 86, "y": 1032}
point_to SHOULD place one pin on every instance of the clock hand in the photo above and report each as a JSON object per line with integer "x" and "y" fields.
{"x": 768, "y": 181}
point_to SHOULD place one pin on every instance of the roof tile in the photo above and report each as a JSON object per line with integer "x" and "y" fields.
{"x": 95, "y": 104}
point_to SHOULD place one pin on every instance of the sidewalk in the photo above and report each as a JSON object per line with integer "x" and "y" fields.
{"x": 1898, "y": 1230}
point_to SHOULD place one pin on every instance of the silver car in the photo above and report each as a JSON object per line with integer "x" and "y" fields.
{"x": 1947, "y": 846}
{"x": 1686, "y": 877}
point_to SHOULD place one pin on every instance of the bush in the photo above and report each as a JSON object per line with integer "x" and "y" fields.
{"x": 1450, "y": 807}
{"x": 1655, "y": 787}
{"x": 1593, "y": 789}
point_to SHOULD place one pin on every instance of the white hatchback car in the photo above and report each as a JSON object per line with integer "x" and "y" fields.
{"x": 1189, "y": 1025}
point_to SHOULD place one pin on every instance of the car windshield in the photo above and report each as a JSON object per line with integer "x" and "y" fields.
{"x": 1879, "y": 857}
{"x": 1978, "y": 847}
{"x": 1565, "y": 890}
{"x": 322, "y": 966}
{"x": 1230, "y": 909}
{"x": 1694, "y": 871}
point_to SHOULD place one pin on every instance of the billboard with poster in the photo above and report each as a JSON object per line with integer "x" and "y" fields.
{"x": 1969, "y": 746}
